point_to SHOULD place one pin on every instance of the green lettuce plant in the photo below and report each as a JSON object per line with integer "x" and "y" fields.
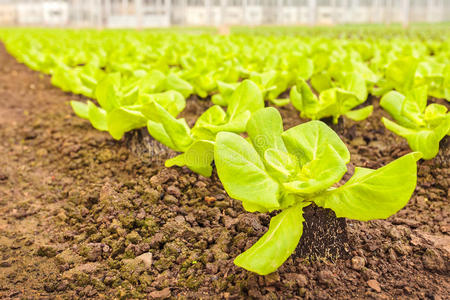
{"x": 272, "y": 84}
{"x": 124, "y": 107}
{"x": 421, "y": 125}
{"x": 332, "y": 101}
{"x": 436, "y": 76}
{"x": 225, "y": 91}
{"x": 197, "y": 144}
{"x": 399, "y": 75}
{"x": 79, "y": 80}
{"x": 287, "y": 171}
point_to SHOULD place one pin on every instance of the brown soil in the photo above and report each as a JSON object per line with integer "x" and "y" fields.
{"x": 82, "y": 215}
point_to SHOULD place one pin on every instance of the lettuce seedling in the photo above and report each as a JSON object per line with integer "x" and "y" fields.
{"x": 287, "y": 171}
{"x": 421, "y": 125}
{"x": 399, "y": 75}
{"x": 272, "y": 84}
{"x": 197, "y": 144}
{"x": 436, "y": 77}
{"x": 225, "y": 92}
{"x": 332, "y": 101}
{"x": 79, "y": 80}
{"x": 124, "y": 107}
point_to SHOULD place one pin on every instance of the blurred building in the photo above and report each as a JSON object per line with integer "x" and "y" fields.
{"x": 162, "y": 13}
{"x": 8, "y": 13}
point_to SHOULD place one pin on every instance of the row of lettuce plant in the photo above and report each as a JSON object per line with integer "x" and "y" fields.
{"x": 141, "y": 84}
{"x": 327, "y": 76}
{"x": 77, "y": 60}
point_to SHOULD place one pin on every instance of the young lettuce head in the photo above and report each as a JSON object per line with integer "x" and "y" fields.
{"x": 421, "y": 125}
{"x": 287, "y": 171}
{"x": 197, "y": 144}
{"x": 332, "y": 101}
{"x": 124, "y": 105}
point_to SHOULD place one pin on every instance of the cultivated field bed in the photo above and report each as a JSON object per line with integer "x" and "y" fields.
{"x": 78, "y": 210}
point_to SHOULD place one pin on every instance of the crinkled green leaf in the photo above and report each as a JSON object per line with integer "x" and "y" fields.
{"x": 360, "y": 114}
{"x": 97, "y": 116}
{"x": 321, "y": 82}
{"x": 307, "y": 140}
{"x": 414, "y": 104}
{"x": 225, "y": 92}
{"x": 152, "y": 82}
{"x": 303, "y": 99}
{"x": 162, "y": 126}
{"x": 400, "y": 73}
{"x": 213, "y": 116}
{"x": 277, "y": 244}
{"x": 280, "y": 164}
{"x": 107, "y": 91}
{"x": 374, "y": 194}
{"x": 198, "y": 157}
{"x": 355, "y": 84}
{"x": 246, "y": 97}
{"x": 392, "y": 102}
{"x": 345, "y": 100}
{"x": 172, "y": 101}
{"x": 435, "y": 114}
{"x": 242, "y": 171}
{"x": 319, "y": 174}
{"x": 173, "y": 82}
{"x": 121, "y": 120}
{"x": 264, "y": 129}
{"x": 81, "y": 109}
{"x": 236, "y": 125}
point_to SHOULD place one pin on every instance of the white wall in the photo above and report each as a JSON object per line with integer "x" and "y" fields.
{"x": 133, "y": 13}
{"x": 196, "y": 15}
{"x": 30, "y": 13}
{"x": 234, "y": 15}
{"x": 55, "y": 13}
{"x": 253, "y": 15}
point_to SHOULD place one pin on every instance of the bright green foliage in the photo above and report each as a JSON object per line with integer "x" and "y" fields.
{"x": 421, "y": 125}
{"x": 386, "y": 59}
{"x": 124, "y": 106}
{"x": 197, "y": 143}
{"x": 436, "y": 76}
{"x": 290, "y": 170}
{"x": 268, "y": 253}
{"x": 409, "y": 72}
{"x": 79, "y": 80}
{"x": 399, "y": 75}
{"x": 272, "y": 84}
{"x": 225, "y": 92}
{"x": 141, "y": 79}
{"x": 332, "y": 101}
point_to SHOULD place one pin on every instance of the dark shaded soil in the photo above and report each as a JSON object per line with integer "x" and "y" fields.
{"x": 82, "y": 215}
{"x": 324, "y": 236}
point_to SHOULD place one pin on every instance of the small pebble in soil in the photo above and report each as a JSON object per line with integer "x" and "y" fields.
{"x": 326, "y": 278}
{"x": 163, "y": 294}
{"x": 373, "y": 284}
{"x": 147, "y": 258}
{"x": 358, "y": 263}
{"x": 209, "y": 200}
